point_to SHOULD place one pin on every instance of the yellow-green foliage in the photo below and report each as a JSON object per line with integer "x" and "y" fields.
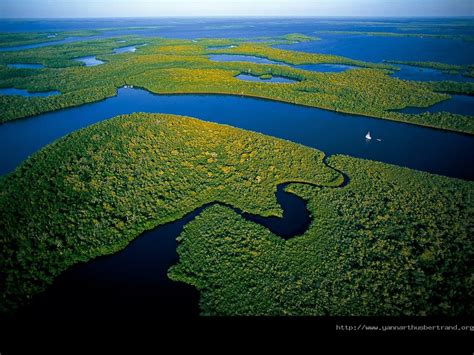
{"x": 182, "y": 66}
{"x": 392, "y": 242}
{"x": 95, "y": 190}
{"x": 294, "y": 57}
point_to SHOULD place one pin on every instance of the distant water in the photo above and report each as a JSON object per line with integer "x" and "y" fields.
{"x": 326, "y": 68}
{"x": 242, "y": 58}
{"x": 220, "y": 47}
{"x": 362, "y": 47}
{"x": 25, "y": 66}
{"x": 129, "y": 49}
{"x": 46, "y": 44}
{"x": 460, "y": 104}
{"x": 378, "y": 48}
{"x": 90, "y": 61}
{"x": 323, "y": 68}
{"x": 408, "y": 72}
{"x": 273, "y": 79}
{"x": 21, "y": 92}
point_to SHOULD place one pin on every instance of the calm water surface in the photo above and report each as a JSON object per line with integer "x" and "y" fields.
{"x": 273, "y": 79}
{"x": 90, "y": 61}
{"x": 132, "y": 284}
{"x": 25, "y": 66}
{"x": 431, "y": 150}
{"x": 26, "y": 93}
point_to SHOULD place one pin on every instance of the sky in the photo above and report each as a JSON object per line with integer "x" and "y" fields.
{"x": 287, "y": 8}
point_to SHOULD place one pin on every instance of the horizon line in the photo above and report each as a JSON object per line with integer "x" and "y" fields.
{"x": 237, "y": 16}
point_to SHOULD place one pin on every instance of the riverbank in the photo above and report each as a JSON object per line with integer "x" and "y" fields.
{"x": 94, "y": 191}
{"x": 181, "y": 66}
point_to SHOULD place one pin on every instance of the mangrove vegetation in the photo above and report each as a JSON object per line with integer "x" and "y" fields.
{"x": 93, "y": 191}
{"x": 176, "y": 66}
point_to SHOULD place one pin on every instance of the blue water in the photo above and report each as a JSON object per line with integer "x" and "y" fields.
{"x": 49, "y": 43}
{"x": 135, "y": 280}
{"x": 90, "y": 61}
{"x": 408, "y": 72}
{"x": 242, "y": 27}
{"x": 460, "y": 104}
{"x": 274, "y": 79}
{"x": 212, "y": 48}
{"x": 362, "y": 47}
{"x": 128, "y": 49}
{"x": 378, "y": 49}
{"x": 412, "y": 146}
{"x": 21, "y": 92}
{"x": 325, "y": 68}
{"x": 25, "y": 66}
{"x": 242, "y": 58}
{"x": 133, "y": 284}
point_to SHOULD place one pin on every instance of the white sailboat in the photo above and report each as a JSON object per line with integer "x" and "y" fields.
{"x": 368, "y": 136}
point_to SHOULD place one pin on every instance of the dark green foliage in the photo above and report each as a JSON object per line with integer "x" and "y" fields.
{"x": 95, "y": 190}
{"x": 393, "y": 242}
{"x": 181, "y": 66}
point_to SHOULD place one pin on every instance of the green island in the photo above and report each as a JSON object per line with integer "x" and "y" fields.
{"x": 175, "y": 66}
{"x": 393, "y": 241}
{"x": 398, "y": 34}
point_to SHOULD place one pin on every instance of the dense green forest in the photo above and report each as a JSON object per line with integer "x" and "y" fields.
{"x": 392, "y": 242}
{"x": 93, "y": 191}
{"x": 182, "y": 66}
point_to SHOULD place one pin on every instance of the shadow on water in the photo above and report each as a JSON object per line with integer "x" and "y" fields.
{"x": 133, "y": 283}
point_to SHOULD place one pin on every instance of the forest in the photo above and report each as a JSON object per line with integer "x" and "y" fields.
{"x": 93, "y": 191}
{"x": 393, "y": 242}
{"x": 166, "y": 66}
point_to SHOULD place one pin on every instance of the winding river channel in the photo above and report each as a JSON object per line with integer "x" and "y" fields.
{"x": 132, "y": 284}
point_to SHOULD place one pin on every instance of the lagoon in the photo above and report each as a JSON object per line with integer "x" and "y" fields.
{"x": 128, "y": 49}
{"x": 89, "y": 61}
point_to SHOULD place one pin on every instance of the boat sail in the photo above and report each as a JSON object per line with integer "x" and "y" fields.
{"x": 368, "y": 136}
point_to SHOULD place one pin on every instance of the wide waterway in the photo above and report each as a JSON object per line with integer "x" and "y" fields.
{"x": 416, "y": 147}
